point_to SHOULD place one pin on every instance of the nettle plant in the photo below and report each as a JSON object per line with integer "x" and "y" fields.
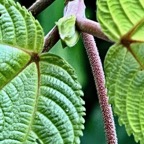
{"x": 40, "y": 97}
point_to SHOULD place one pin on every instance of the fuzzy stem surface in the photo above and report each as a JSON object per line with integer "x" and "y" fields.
{"x": 99, "y": 78}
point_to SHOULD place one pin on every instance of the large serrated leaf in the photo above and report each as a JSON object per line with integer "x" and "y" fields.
{"x": 123, "y": 22}
{"x": 40, "y": 97}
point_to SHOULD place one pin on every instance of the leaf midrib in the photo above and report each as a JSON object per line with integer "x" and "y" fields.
{"x": 35, "y": 105}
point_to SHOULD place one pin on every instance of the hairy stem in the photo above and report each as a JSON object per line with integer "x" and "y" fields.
{"x": 39, "y": 6}
{"x": 99, "y": 78}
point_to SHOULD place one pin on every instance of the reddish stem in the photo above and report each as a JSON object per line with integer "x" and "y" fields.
{"x": 90, "y": 27}
{"x": 99, "y": 78}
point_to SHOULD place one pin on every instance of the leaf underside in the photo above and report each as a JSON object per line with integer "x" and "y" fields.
{"x": 40, "y": 97}
{"x": 123, "y": 22}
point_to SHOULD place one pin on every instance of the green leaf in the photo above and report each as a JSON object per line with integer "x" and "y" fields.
{"x": 125, "y": 82}
{"x": 121, "y": 17}
{"x": 40, "y": 97}
{"x": 123, "y": 22}
{"x": 18, "y": 27}
{"x": 67, "y": 31}
{"x": 63, "y": 93}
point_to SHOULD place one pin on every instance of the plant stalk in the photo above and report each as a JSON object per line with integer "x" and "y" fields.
{"x": 91, "y": 27}
{"x": 99, "y": 78}
{"x": 51, "y": 39}
{"x": 39, "y": 6}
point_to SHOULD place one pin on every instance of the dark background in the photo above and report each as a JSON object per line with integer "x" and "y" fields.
{"x": 76, "y": 56}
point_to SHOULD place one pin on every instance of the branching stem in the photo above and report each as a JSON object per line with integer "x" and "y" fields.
{"x": 72, "y": 7}
{"x": 83, "y": 25}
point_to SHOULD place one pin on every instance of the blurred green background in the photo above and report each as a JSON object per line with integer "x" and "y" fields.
{"x": 77, "y": 57}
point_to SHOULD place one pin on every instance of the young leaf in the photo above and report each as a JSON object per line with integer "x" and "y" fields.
{"x": 123, "y": 22}
{"x": 67, "y": 31}
{"x": 40, "y": 98}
